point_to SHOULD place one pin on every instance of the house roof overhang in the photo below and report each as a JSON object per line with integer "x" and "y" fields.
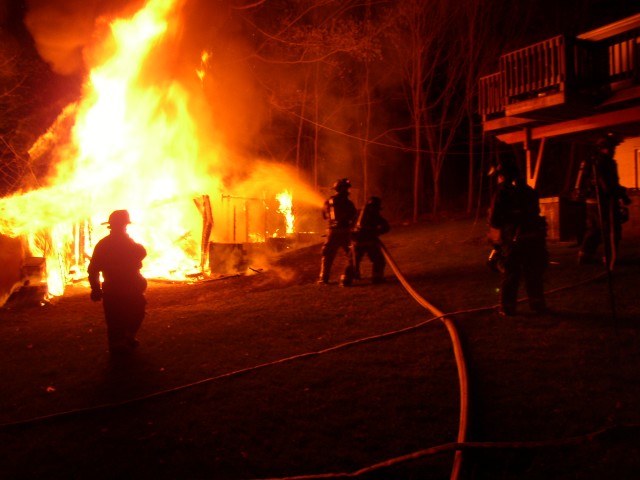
{"x": 612, "y": 29}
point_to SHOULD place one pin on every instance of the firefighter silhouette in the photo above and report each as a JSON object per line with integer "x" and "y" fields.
{"x": 606, "y": 200}
{"x": 119, "y": 258}
{"x": 518, "y": 233}
{"x": 340, "y": 214}
{"x": 369, "y": 226}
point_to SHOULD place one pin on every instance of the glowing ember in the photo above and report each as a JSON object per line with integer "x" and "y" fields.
{"x": 204, "y": 58}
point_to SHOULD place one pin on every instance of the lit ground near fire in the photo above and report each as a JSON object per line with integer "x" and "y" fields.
{"x": 237, "y": 378}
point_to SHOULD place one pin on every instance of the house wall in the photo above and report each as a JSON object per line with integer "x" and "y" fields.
{"x": 566, "y": 218}
{"x": 628, "y": 158}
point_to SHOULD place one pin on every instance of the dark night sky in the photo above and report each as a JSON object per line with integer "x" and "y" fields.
{"x": 75, "y": 18}
{"x": 550, "y": 17}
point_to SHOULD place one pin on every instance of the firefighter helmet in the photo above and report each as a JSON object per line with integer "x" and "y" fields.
{"x": 342, "y": 184}
{"x": 118, "y": 218}
{"x": 608, "y": 141}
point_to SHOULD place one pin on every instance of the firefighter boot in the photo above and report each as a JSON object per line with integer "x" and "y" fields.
{"x": 347, "y": 278}
{"x": 325, "y": 268}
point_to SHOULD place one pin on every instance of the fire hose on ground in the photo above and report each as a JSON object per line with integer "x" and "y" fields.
{"x": 458, "y": 353}
{"x": 459, "y": 446}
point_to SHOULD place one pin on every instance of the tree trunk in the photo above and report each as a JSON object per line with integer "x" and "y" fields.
{"x": 416, "y": 168}
{"x": 301, "y": 122}
{"x": 365, "y": 145}
{"x": 316, "y": 135}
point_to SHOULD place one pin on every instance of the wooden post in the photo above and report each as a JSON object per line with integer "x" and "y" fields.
{"x": 204, "y": 206}
{"x": 534, "y": 180}
{"x": 532, "y": 172}
{"x": 527, "y": 151}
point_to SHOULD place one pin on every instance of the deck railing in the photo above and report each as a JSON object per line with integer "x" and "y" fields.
{"x": 490, "y": 95}
{"x": 535, "y": 69}
{"x": 578, "y": 67}
{"x": 554, "y": 65}
{"x": 624, "y": 56}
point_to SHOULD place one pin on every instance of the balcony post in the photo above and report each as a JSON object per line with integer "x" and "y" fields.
{"x": 531, "y": 171}
{"x": 527, "y": 151}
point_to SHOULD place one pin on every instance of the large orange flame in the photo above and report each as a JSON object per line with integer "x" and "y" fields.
{"x": 286, "y": 208}
{"x": 132, "y": 142}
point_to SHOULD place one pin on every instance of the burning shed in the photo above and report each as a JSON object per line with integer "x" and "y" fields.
{"x": 141, "y": 137}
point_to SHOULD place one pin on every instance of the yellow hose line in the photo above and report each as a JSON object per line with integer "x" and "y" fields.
{"x": 457, "y": 351}
{"x": 614, "y": 432}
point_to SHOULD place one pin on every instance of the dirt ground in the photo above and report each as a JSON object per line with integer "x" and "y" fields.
{"x": 268, "y": 375}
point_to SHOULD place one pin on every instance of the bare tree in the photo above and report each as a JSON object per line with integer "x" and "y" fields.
{"x": 488, "y": 30}
{"x": 312, "y": 60}
{"x": 329, "y": 82}
{"x": 429, "y": 59}
{"x": 31, "y": 97}
{"x": 9, "y": 84}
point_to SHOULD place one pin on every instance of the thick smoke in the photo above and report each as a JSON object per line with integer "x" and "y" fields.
{"x": 61, "y": 29}
{"x": 65, "y": 31}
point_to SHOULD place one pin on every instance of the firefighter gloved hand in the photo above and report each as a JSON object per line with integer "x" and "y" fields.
{"x": 96, "y": 295}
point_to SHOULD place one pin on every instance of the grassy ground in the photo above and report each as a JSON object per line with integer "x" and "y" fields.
{"x": 270, "y": 375}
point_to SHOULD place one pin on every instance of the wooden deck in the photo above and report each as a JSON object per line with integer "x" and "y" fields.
{"x": 564, "y": 86}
